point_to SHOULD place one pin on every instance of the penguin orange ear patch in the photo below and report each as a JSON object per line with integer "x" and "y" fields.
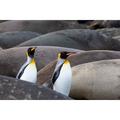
{"x": 59, "y": 55}
{"x": 26, "y": 54}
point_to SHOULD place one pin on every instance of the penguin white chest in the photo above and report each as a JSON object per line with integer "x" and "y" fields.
{"x": 30, "y": 73}
{"x": 63, "y": 82}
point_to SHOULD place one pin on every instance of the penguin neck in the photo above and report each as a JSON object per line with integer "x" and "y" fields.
{"x": 29, "y": 59}
{"x": 60, "y": 61}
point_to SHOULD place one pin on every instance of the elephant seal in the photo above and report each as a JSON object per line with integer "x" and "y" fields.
{"x": 13, "y": 89}
{"x": 39, "y": 26}
{"x": 80, "y": 58}
{"x": 98, "y": 80}
{"x": 12, "y": 59}
{"x": 75, "y": 38}
{"x": 11, "y": 39}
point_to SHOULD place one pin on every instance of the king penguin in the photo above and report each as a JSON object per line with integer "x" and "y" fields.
{"x": 28, "y": 71}
{"x": 62, "y": 76}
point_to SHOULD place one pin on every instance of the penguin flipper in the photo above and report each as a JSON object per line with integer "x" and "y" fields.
{"x": 21, "y": 71}
{"x": 56, "y": 74}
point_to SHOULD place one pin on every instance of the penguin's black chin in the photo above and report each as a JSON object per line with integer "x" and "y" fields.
{"x": 31, "y": 56}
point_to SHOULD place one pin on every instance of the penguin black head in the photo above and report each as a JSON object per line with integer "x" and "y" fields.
{"x": 31, "y": 51}
{"x": 64, "y": 54}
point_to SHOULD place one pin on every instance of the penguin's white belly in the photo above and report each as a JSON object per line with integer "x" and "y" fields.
{"x": 30, "y": 73}
{"x": 63, "y": 82}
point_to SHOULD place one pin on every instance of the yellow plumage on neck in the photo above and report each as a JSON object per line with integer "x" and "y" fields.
{"x": 33, "y": 61}
{"x": 66, "y": 62}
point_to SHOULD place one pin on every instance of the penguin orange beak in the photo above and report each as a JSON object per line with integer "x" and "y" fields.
{"x": 71, "y": 53}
